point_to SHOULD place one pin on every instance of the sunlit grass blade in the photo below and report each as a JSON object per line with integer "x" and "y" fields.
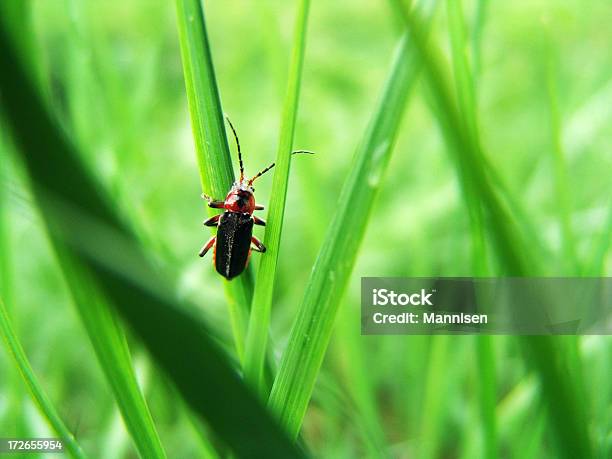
{"x": 212, "y": 150}
{"x": 259, "y": 321}
{"x": 37, "y": 393}
{"x": 563, "y": 397}
{"x": 313, "y": 325}
{"x": 11, "y": 385}
{"x": 85, "y": 228}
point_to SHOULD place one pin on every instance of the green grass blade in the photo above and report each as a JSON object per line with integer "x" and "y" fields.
{"x": 312, "y": 328}
{"x": 465, "y": 84}
{"x": 464, "y": 81}
{"x": 480, "y": 16}
{"x": 212, "y": 150}
{"x": 37, "y": 393}
{"x": 6, "y": 272}
{"x": 563, "y": 398}
{"x": 71, "y": 202}
{"x": 259, "y": 323}
{"x": 467, "y": 105}
{"x": 435, "y": 394}
{"x": 559, "y": 166}
{"x": 466, "y": 153}
{"x": 111, "y": 348}
{"x": 487, "y": 393}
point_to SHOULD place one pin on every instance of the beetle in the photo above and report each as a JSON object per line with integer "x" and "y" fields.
{"x": 232, "y": 243}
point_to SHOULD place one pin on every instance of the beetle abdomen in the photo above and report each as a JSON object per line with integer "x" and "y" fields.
{"x": 233, "y": 243}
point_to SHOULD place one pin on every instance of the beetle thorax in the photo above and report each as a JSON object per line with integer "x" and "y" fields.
{"x": 240, "y": 199}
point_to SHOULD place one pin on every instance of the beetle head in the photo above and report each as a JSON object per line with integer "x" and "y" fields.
{"x": 240, "y": 198}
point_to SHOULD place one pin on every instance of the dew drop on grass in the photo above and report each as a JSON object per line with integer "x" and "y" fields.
{"x": 377, "y": 162}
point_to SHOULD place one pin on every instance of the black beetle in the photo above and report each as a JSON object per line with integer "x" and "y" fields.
{"x": 232, "y": 244}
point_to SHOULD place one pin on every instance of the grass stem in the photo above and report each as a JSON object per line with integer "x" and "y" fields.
{"x": 212, "y": 150}
{"x": 313, "y": 325}
{"x": 259, "y": 323}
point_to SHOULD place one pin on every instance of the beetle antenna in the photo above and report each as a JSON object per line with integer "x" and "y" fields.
{"x": 259, "y": 174}
{"x": 238, "y": 146}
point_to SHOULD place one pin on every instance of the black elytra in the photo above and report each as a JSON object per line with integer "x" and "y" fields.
{"x": 232, "y": 244}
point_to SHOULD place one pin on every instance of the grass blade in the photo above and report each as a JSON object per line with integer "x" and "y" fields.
{"x": 37, "y": 393}
{"x": 563, "y": 397}
{"x": 560, "y": 165}
{"x": 465, "y": 84}
{"x": 358, "y": 383}
{"x": 312, "y": 328}
{"x": 435, "y": 396}
{"x": 262, "y": 298}
{"x": 87, "y": 229}
{"x": 106, "y": 336}
{"x": 467, "y": 105}
{"x": 212, "y": 150}
{"x": 480, "y": 16}
{"x": 487, "y": 393}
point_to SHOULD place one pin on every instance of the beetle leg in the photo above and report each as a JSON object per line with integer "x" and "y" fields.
{"x": 212, "y": 221}
{"x": 259, "y": 247}
{"x": 207, "y": 246}
{"x": 215, "y": 204}
{"x": 259, "y": 207}
{"x": 259, "y": 221}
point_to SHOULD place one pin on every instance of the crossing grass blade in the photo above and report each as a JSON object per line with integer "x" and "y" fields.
{"x": 259, "y": 322}
{"x": 212, "y": 150}
{"x": 39, "y": 396}
{"x": 106, "y": 335}
{"x": 563, "y": 397}
{"x": 313, "y": 325}
{"x": 108, "y": 254}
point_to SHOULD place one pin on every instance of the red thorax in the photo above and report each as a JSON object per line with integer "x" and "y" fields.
{"x": 240, "y": 199}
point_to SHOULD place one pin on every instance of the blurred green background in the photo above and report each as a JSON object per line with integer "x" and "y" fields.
{"x": 112, "y": 73}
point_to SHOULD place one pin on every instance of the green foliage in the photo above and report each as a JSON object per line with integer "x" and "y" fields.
{"x": 499, "y": 167}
